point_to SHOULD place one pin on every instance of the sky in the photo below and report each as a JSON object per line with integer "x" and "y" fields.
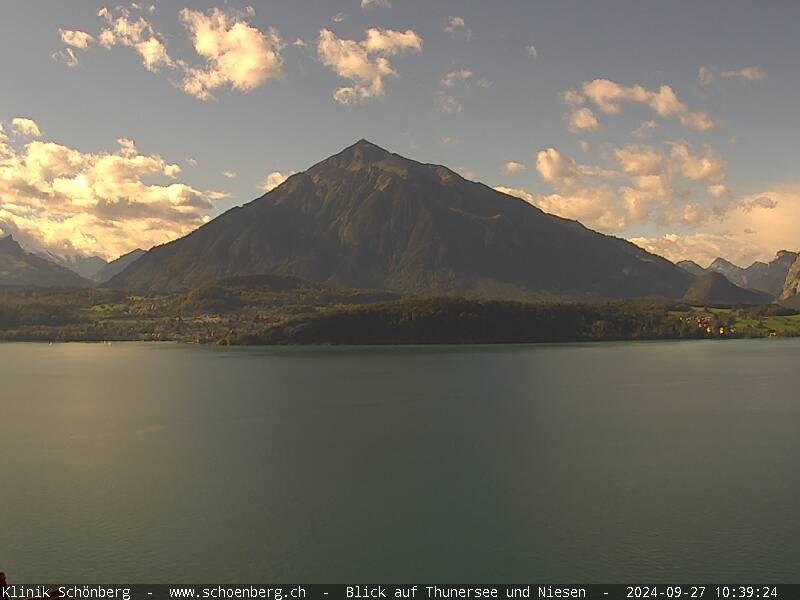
{"x": 672, "y": 124}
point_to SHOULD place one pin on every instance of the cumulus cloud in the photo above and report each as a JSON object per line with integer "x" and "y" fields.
{"x": 447, "y": 100}
{"x": 645, "y": 129}
{"x": 456, "y": 27}
{"x": 366, "y": 63}
{"x": 532, "y": 51}
{"x": 230, "y": 174}
{"x": 339, "y": 18}
{"x": 274, "y": 179}
{"x": 236, "y": 53}
{"x": 122, "y": 29}
{"x": 374, "y": 3}
{"x": 747, "y": 73}
{"x": 25, "y": 126}
{"x": 582, "y": 119}
{"x": 756, "y": 229}
{"x": 607, "y": 96}
{"x": 447, "y": 103}
{"x": 74, "y": 38}
{"x": 514, "y": 167}
{"x": 662, "y": 187}
{"x": 58, "y": 198}
{"x": 707, "y": 75}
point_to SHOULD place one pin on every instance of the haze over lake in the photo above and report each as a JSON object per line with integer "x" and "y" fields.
{"x": 609, "y": 462}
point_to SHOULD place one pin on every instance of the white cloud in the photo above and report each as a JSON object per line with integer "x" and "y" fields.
{"x": 339, "y": 18}
{"x": 447, "y": 101}
{"x": 274, "y": 179}
{"x": 74, "y": 38}
{"x": 449, "y": 140}
{"x": 706, "y": 76}
{"x": 532, "y": 51}
{"x": 447, "y": 104}
{"x": 455, "y": 77}
{"x": 607, "y": 95}
{"x": 122, "y": 30}
{"x": 582, "y": 119}
{"x": 67, "y": 56}
{"x": 191, "y": 162}
{"x": 55, "y": 197}
{"x": 236, "y": 53}
{"x": 514, "y": 167}
{"x": 662, "y": 188}
{"x": 457, "y": 27}
{"x": 25, "y": 126}
{"x": 366, "y": 63}
{"x": 299, "y": 43}
{"x": 373, "y": 3}
{"x": 645, "y": 129}
{"x": 748, "y": 73}
{"x": 756, "y": 229}
{"x": 709, "y": 167}
{"x": 230, "y": 174}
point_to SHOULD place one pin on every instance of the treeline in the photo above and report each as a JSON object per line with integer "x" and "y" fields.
{"x": 463, "y": 321}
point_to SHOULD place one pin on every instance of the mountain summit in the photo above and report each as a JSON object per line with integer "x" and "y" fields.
{"x": 372, "y": 219}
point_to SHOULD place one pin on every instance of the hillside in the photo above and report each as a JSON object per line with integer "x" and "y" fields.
{"x": 715, "y": 289}
{"x": 18, "y": 267}
{"x": 366, "y": 218}
{"x": 117, "y": 266}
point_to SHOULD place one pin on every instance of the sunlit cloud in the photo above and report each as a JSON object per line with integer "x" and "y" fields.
{"x": 608, "y": 95}
{"x": 234, "y": 53}
{"x": 58, "y": 198}
{"x": 511, "y": 167}
{"x": 366, "y": 63}
{"x": 25, "y": 126}
{"x": 274, "y": 179}
{"x": 457, "y": 28}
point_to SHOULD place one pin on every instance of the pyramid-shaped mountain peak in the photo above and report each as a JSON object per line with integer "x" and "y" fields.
{"x": 9, "y": 244}
{"x": 367, "y": 218}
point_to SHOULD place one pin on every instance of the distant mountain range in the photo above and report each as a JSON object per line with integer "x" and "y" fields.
{"x": 18, "y": 267}
{"x": 367, "y": 218}
{"x": 763, "y": 277}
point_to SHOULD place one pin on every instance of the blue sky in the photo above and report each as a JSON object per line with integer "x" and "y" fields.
{"x": 704, "y": 167}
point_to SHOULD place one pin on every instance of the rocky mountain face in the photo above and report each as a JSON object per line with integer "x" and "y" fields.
{"x": 760, "y": 276}
{"x": 734, "y": 273}
{"x": 714, "y": 288}
{"x": 790, "y": 294}
{"x": 691, "y": 267}
{"x": 117, "y": 266}
{"x": 770, "y": 277}
{"x": 367, "y": 218}
{"x": 18, "y": 267}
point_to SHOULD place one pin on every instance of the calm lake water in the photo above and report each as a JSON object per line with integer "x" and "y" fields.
{"x": 657, "y": 462}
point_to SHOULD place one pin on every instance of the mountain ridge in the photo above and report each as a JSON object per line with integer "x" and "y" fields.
{"x": 369, "y": 218}
{"x": 18, "y": 267}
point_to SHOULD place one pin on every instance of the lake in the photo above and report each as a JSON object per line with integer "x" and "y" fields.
{"x": 609, "y": 462}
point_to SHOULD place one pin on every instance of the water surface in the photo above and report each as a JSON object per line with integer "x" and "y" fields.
{"x": 575, "y": 463}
